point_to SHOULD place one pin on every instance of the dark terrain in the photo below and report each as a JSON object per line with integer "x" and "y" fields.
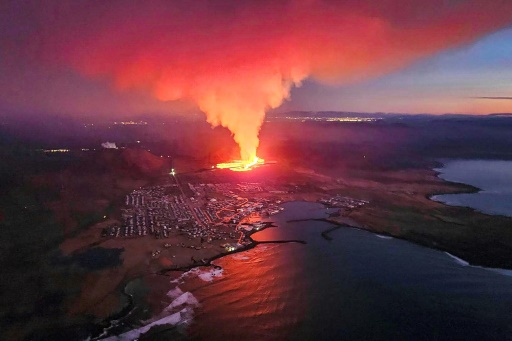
{"x": 47, "y": 197}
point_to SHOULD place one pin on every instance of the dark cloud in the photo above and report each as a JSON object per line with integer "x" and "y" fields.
{"x": 492, "y": 97}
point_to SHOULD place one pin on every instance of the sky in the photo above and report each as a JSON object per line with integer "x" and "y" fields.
{"x": 86, "y": 58}
{"x": 475, "y": 78}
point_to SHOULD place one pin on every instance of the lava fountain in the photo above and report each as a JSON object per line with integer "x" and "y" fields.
{"x": 240, "y": 165}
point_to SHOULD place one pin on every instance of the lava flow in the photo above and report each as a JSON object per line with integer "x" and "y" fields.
{"x": 241, "y": 166}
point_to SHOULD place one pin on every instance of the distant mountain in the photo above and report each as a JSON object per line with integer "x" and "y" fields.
{"x": 328, "y": 114}
{"x": 502, "y": 114}
{"x": 377, "y": 115}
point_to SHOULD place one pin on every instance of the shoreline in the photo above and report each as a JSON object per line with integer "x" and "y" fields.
{"x": 458, "y": 188}
{"x": 325, "y": 234}
{"x": 475, "y": 253}
{"x": 464, "y": 188}
{"x": 338, "y": 225}
{"x": 462, "y": 262}
{"x": 112, "y": 321}
{"x": 247, "y": 236}
{"x": 471, "y": 189}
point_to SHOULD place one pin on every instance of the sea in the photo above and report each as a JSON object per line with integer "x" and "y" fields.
{"x": 356, "y": 285}
{"x": 492, "y": 177}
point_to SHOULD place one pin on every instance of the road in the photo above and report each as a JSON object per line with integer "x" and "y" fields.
{"x": 187, "y": 200}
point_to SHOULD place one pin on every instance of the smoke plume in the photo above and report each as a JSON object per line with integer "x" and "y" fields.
{"x": 237, "y": 59}
{"x": 109, "y": 145}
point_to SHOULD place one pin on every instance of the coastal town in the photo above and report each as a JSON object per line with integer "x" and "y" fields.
{"x": 212, "y": 212}
{"x": 343, "y": 202}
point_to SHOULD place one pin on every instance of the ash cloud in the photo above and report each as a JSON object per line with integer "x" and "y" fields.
{"x": 237, "y": 59}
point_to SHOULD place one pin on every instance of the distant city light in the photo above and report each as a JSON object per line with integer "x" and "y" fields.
{"x": 331, "y": 119}
{"x": 128, "y": 123}
{"x": 56, "y": 150}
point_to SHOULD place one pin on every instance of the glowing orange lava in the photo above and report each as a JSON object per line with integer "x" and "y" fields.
{"x": 240, "y": 165}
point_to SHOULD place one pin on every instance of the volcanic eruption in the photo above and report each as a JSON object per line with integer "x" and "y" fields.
{"x": 237, "y": 59}
{"x": 241, "y": 165}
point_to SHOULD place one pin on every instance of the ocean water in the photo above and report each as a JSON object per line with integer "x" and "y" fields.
{"x": 493, "y": 177}
{"x": 358, "y": 286}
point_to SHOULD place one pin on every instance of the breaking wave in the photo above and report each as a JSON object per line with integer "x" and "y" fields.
{"x": 383, "y": 237}
{"x": 207, "y": 275}
{"x": 457, "y": 259}
{"x": 504, "y": 272}
{"x": 180, "y": 312}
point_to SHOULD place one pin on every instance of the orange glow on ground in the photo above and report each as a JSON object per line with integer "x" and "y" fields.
{"x": 241, "y": 166}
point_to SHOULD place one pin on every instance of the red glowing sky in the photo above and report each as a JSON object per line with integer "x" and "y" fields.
{"x": 224, "y": 55}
